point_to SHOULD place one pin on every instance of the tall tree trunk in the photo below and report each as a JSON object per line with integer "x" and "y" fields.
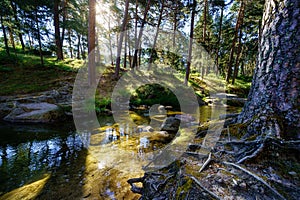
{"x": 65, "y": 16}
{"x": 137, "y": 45}
{"x": 236, "y": 32}
{"x": 123, "y": 29}
{"x": 92, "y": 43}
{"x": 58, "y": 43}
{"x": 78, "y": 45}
{"x": 175, "y": 27}
{"x": 189, "y": 60}
{"x": 125, "y": 50}
{"x": 14, "y": 8}
{"x": 135, "y": 31}
{"x": 273, "y": 106}
{"x": 219, "y": 39}
{"x": 129, "y": 50}
{"x": 11, "y": 38}
{"x": 39, "y": 36}
{"x": 97, "y": 56}
{"x": 4, "y": 35}
{"x": 205, "y": 11}
{"x": 156, "y": 34}
{"x": 70, "y": 42}
{"x": 110, "y": 43}
{"x": 237, "y": 61}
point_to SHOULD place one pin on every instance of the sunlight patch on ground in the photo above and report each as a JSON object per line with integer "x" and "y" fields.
{"x": 29, "y": 191}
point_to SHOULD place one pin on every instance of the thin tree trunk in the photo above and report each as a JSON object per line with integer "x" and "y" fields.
{"x": 98, "y": 56}
{"x": 219, "y": 39}
{"x": 4, "y": 35}
{"x": 125, "y": 50}
{"x": 119, "y": 50}
{"x": 156, "y": 34}
{"x": 11, "y": 38}
{"x": 78, "y": 45}
{"x": 91, "y": 43}
{"x": 110, "y": 43}
{"x": 204, "y": 21}
{"x": 237, "y": 27}
{"x": 175, "y": 27}
{"x": 18, "y": 24}
{"x": 59, "y": 52}
{"x": 236, "y": 67}
{"x": 137, "y": 45}
{"x": 70, "y": 43}
{"x": 65, "y": 16}
{"x": 39, "y": 37}
{"x": 187, "y": 73}
{"x": 129, "y": 50}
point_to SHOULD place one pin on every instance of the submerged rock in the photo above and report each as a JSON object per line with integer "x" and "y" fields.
{"x": 170, "y": 124}
{"x": 35, "y": 113}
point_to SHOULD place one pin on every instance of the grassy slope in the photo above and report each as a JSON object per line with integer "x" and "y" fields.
{"x": 22, "y": 73}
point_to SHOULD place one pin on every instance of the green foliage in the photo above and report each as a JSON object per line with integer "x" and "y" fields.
{"x": 151, "y": 94}
{"x": 103, "y": 104}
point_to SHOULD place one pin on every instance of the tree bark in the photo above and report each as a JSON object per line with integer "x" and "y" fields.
{"x": 205, "y": 10}
{"x": 137, "y": 45}
{"x": 4, "y": 35}
{"x": 123, "y": 29}
{"x": 39, "y": 36}
{"x": 58, "y": 43}
{"x": 219, "y": 39}
{"x": 189, "y": 60}
{"x": 237, "y": 27}
{"x": 156, "y": 35}
{"x": 237, "y": 59}
{"x": 13, "y": 5}
{"x": 273, "y": 103}
{"x": 92, "y": 43}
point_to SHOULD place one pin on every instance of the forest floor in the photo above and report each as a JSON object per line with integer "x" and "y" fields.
{"x": 21, "y": 73}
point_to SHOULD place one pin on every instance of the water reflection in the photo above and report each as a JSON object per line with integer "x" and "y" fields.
{"x": 27, "y": 152}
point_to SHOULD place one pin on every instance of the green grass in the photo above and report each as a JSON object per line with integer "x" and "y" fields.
{"x": 23, "y": 73}
{"x": 214, "y": 84}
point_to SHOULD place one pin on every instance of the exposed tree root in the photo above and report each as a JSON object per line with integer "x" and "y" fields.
{"x": 256, "y": 177}
{"x": 206, "y": 162}
{"x": 254, "y": 154}
{"x": 205, "y": 189}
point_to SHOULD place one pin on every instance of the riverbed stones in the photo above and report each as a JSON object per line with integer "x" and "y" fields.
{"x": 44, "y": 107}
{"x": 35, "y": 113}
{"x": 170, "y": 124}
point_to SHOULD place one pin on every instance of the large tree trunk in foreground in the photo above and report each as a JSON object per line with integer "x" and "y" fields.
{"x": 273, "y": 104}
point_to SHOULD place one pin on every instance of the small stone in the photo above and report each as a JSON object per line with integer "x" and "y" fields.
{"x": 293, "y": 173}
{"x": 243, "y": 185}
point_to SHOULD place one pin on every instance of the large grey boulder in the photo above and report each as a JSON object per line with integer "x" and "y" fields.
{"x": 35, "y": 113}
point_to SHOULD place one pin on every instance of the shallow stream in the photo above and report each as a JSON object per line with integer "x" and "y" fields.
{"x": 54, "y": 158}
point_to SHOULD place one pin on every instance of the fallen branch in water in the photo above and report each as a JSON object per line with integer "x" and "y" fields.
{"x": 256, "y": 177}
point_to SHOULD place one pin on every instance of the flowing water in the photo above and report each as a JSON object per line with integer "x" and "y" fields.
{"x": 39, "y": 161}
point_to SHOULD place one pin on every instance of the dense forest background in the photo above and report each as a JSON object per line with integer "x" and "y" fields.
{"x": 228, "y": 30}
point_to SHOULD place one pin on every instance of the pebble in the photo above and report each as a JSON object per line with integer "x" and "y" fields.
{"x": 243, "y": 185}
{"x": 293, "y": 173}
